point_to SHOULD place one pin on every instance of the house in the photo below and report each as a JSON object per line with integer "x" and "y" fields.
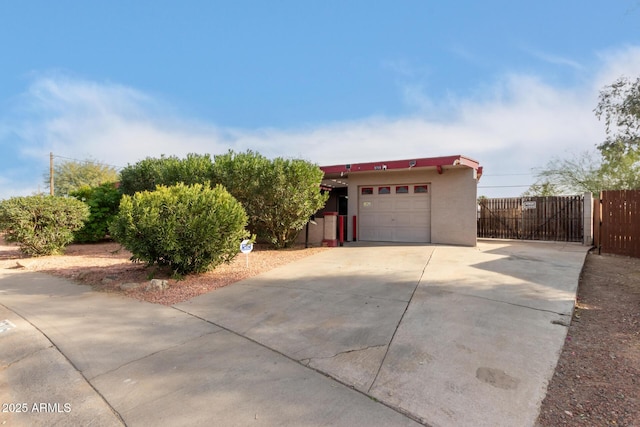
{"x": 422, "y": 200}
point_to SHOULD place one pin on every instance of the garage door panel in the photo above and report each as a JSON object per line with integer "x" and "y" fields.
{"x": 395, "y": 217}
{"x": 385, "y": 234}
{"x": 404, "y": 220}
{"x": 420, "y": 203}
{"x": 386, "y": 204}
{"x": 412, "y": 235}
{"x": 385, "y": 219}
{"x": 368, "y": 220}
{"x": 404, "y": 204}
{"x": 420, "y": 221}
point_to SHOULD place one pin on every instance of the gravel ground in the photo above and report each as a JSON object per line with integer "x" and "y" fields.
{"x": 106, "y": 267}
{"x": 597, "y": 380}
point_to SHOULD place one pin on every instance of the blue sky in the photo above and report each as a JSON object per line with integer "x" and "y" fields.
{"x": 510, "y": 84}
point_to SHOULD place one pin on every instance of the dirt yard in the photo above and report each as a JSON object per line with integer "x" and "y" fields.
{"x": 597, "y": 380}
{"x": 107, "y": 268}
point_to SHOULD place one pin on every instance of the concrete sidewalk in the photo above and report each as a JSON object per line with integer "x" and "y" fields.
{"x": 139, "y": 364}
{"x": 359, "y": 335}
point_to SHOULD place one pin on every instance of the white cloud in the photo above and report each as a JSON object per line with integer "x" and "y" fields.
{"x": 619, "y": 62}
{"x": 557, "y": 59}
{"x": 109, "y": 122}
{"x": 519, "y": 123}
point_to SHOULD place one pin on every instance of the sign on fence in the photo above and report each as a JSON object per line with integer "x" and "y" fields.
{"x": 557, "y": 218}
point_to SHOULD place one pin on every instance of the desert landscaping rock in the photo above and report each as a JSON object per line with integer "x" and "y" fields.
{"x": 156, "y": 285}
{"x": 129, "y": 286}
{"x": 106, "y": 266}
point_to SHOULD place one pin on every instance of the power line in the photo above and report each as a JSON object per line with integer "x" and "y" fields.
{"x": 87, "y": 161}
{"x": 503, "y": 186}
{"x": 508, "y": 174}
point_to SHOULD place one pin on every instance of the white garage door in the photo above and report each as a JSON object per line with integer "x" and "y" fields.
{"x": 395, "y": 213}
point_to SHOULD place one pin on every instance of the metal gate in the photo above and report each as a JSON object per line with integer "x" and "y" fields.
{"x": 557, "y": 218}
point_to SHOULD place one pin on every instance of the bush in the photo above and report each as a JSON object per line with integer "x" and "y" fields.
{"x": 103, "y": 204}
{"x": 189, "y": 228}
{"x": 279, "y": 195}
{"x": 42, "y": 225}
{"x": 146, "y": 174}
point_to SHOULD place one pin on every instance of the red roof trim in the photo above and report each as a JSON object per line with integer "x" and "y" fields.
{"x": 403, "y": 164}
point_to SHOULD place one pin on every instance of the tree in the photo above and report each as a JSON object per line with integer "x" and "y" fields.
{"x": 541, "y": 189}
{"x": 146, "y": 174}
{"x": 278, "y": 195}
{"x": 618, "y": 167}
{"x": 619, "y": 105}
{"x": 73, "y": 175}
{"x": 577, "y": 174}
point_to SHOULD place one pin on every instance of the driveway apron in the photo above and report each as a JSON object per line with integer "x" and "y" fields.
{"x": 335, "y": 312}
{"x": 449, "y": 335}
{"x": 358, "y": 335}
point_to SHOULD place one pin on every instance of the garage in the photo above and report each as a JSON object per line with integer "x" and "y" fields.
{"x": 420, "y": 200}
{"x": 395, "y": 213}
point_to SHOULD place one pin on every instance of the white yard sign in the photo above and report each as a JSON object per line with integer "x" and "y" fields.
{"x": 246, "y": 246}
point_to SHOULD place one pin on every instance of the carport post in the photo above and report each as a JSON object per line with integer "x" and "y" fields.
{"x": 354, "y": 228}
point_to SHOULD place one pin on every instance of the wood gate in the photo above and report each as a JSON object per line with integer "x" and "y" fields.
{"x": 617, "y": 222}
{"x": 558, "y": 218}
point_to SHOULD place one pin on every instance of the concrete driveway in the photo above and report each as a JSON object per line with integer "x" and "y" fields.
{"x": 359, "y": 335}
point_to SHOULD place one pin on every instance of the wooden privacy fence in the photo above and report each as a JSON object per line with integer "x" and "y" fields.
{"x": 558, "y": 218}
{"x": 617, "y": 222}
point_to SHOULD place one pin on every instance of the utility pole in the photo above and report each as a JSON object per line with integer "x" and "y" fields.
{"x": 51, "y": 173}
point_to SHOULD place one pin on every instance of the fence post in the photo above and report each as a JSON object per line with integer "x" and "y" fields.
{"x": 597, "y": 221}
{"x": 587, "y": 219}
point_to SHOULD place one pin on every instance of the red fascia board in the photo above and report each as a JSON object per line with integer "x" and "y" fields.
{"x": 403, "y": 164}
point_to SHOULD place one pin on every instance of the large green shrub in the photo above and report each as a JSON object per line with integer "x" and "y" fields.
{"x": 146, "y": 174}
{"x": 279, "y": 195}
{"x": 103, "y": 202}
{"x": 189, "y": 228}
{"x": 42, "y": 225}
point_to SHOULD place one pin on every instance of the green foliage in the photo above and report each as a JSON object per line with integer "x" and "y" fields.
{"x": 621, "y": 171}
{"x": 146, "y": 174}
{"x": 619, "y": 105}
{"x": 189, "y": 228}
{"x": 103, "y": 202}
{"x": 574, "y": 175}
{"x": 542, "y": 189}
{"x": 278, "y": 195}
{"x": 42, "y": 225}
{"x": 71, "y": 176}
{"x": 618, "y": 166}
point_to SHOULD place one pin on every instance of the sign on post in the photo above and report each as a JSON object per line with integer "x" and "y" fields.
{"x": 246, "y": 246}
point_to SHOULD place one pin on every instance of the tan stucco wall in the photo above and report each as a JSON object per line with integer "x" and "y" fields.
{"x": 453, "y": 200}
{"x": 316, "y": 233}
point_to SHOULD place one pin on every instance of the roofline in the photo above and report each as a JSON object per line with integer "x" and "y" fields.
{"x": 456, "y": 160}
